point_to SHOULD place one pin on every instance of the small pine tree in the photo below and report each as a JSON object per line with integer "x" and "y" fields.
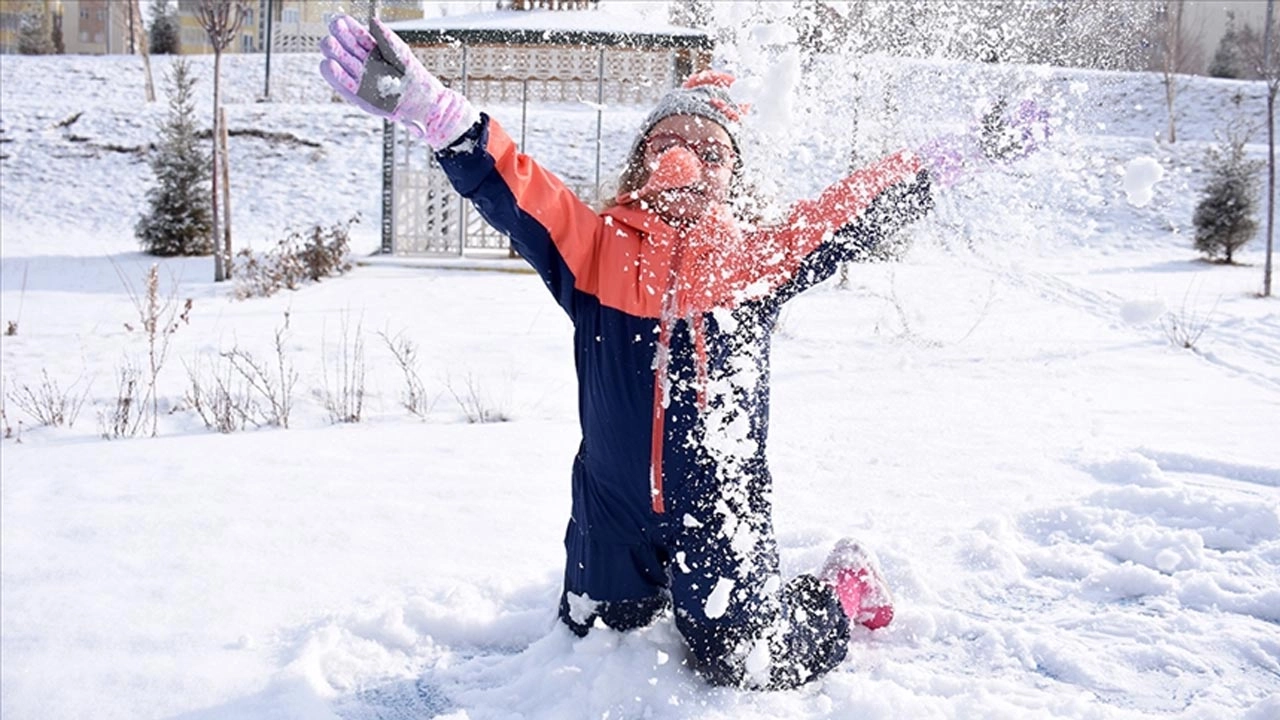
{"x": 35, "y": 34}
{"x": 180, "y": 219}
{"x": 165, "y": 35}
{"x": 1227, "y": 62}
{"x": 1224, "y": 216}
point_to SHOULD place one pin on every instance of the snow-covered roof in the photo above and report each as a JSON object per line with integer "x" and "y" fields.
{"x": 550, "y": 27}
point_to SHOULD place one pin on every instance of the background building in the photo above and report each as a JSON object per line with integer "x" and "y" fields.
{"x": 101, "y": 26}
{"x": 296, "y": 25}
{"x": 97, "y": 27}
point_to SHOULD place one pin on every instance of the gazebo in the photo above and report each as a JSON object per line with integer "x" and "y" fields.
{"x": 521, "y": 57}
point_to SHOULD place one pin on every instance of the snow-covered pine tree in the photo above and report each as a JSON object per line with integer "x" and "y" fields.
{"x": 165, "y": 34}
{"x": 1227, "y": 62}
{"x": 1224, "y": 216}
{"x": 180, "y": 219}
{"x": 35, "y": 33}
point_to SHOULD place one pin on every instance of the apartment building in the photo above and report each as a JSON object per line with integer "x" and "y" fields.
{"x": 86, "y": 27}
{"x": 97, "y": 27}
{"x": 100, "y": 27}
{"x": 295, "y": 26}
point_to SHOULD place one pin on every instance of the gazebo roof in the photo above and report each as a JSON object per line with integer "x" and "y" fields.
{"x": 549, "y": 27}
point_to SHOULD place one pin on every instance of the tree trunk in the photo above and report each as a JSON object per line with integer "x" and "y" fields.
{"x": 224, "y": 153}
{"x": 1172, "y": 54}
{"x": 139, "y": 34}
{"x": 219, "y": 271}
{"x": 1272, "y": 68}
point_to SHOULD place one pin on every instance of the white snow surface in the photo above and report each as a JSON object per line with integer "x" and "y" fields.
{"x": 1078, "y": 518}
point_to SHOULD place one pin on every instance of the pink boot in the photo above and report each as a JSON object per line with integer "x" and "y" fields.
{"x": 854, "y": 574}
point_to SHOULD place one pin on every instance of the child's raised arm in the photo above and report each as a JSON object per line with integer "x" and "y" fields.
{"x": 376, "y": 71}
{"x": 546, "y": 223}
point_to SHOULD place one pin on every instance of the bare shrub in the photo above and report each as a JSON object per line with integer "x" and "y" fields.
{"x": 344, "y": 382}
{"x": 905, "y": 330}
{"x": 476, "y": 405}
{"x": 5, "y": 427}
{"x": 414, "y": 398}
{"x": 48, "y": 403}
{"x": 11, "y": 326}
{"x": 128, "y": 413}
{"x": 159, "y": 320}
{"x": 271, "y": 383}
{"x": 1185, "y": 327}
{"x": 217, "y": 398}
{"x": 303, "y": 256}
{"x": 241, "y": 389}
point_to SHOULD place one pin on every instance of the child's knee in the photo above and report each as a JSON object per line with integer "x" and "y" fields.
{"x": 581, "y": 613}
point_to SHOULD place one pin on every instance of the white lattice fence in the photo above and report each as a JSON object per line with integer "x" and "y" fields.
{"x": 504, "y": 74}
{"x": 296, "y": 43}
{"x": 428, "y": 217}
{"x": 427, "y": 211}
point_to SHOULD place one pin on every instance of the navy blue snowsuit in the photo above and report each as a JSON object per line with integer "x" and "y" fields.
{"x": 695, "y": 533}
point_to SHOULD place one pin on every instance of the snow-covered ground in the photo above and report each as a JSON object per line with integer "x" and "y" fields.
{"x": 1080, "y": 520}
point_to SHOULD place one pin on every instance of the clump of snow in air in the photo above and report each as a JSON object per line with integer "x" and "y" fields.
{"x": 1140, "y": 176}
{"x": 1077, "y": 518}
{"x": 1142, "y": 311}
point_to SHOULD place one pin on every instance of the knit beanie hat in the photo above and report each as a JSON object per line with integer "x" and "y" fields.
{"x": 704, "y": 94}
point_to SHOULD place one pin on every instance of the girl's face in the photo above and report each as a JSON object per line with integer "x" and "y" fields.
{"x": 716, "y": 157}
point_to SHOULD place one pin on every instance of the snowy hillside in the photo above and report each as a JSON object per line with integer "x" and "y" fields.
{"x": 1080, "y": 520}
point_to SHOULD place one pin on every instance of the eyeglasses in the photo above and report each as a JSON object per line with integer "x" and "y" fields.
{"x": 711, "y": 153}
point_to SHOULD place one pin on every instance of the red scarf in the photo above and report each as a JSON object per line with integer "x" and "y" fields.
{"x": 699, "y": 268}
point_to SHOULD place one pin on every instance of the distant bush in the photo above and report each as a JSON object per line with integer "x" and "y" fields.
{"x": 301, "y": 257}
{"x": 179, "y": 220}
{"x": 1224, "y": 216}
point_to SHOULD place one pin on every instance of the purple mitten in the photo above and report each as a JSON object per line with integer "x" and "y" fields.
{"x": 376, "y": 71}
{"x": 1013, "y": 135}
{"x": 946, "y": 158}
{"x": 999, "y": 137}
{"x": 1031, "y": 122}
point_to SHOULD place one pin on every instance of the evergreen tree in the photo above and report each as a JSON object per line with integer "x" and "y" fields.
{"x": 180, "y": 219}
{"x": 1224, "y": 216}
{"x": 1227, "y": 62}
{"x": 35, "y": 34}
{"x": 165, "y": 36}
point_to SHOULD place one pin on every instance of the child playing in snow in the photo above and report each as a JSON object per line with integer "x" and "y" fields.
{"x": 674, "y": 294}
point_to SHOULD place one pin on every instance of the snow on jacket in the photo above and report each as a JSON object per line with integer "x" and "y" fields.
{"x": 682, "y": 384}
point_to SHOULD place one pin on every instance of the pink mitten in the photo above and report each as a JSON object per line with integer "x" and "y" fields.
{"x": 376, "y": 71}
